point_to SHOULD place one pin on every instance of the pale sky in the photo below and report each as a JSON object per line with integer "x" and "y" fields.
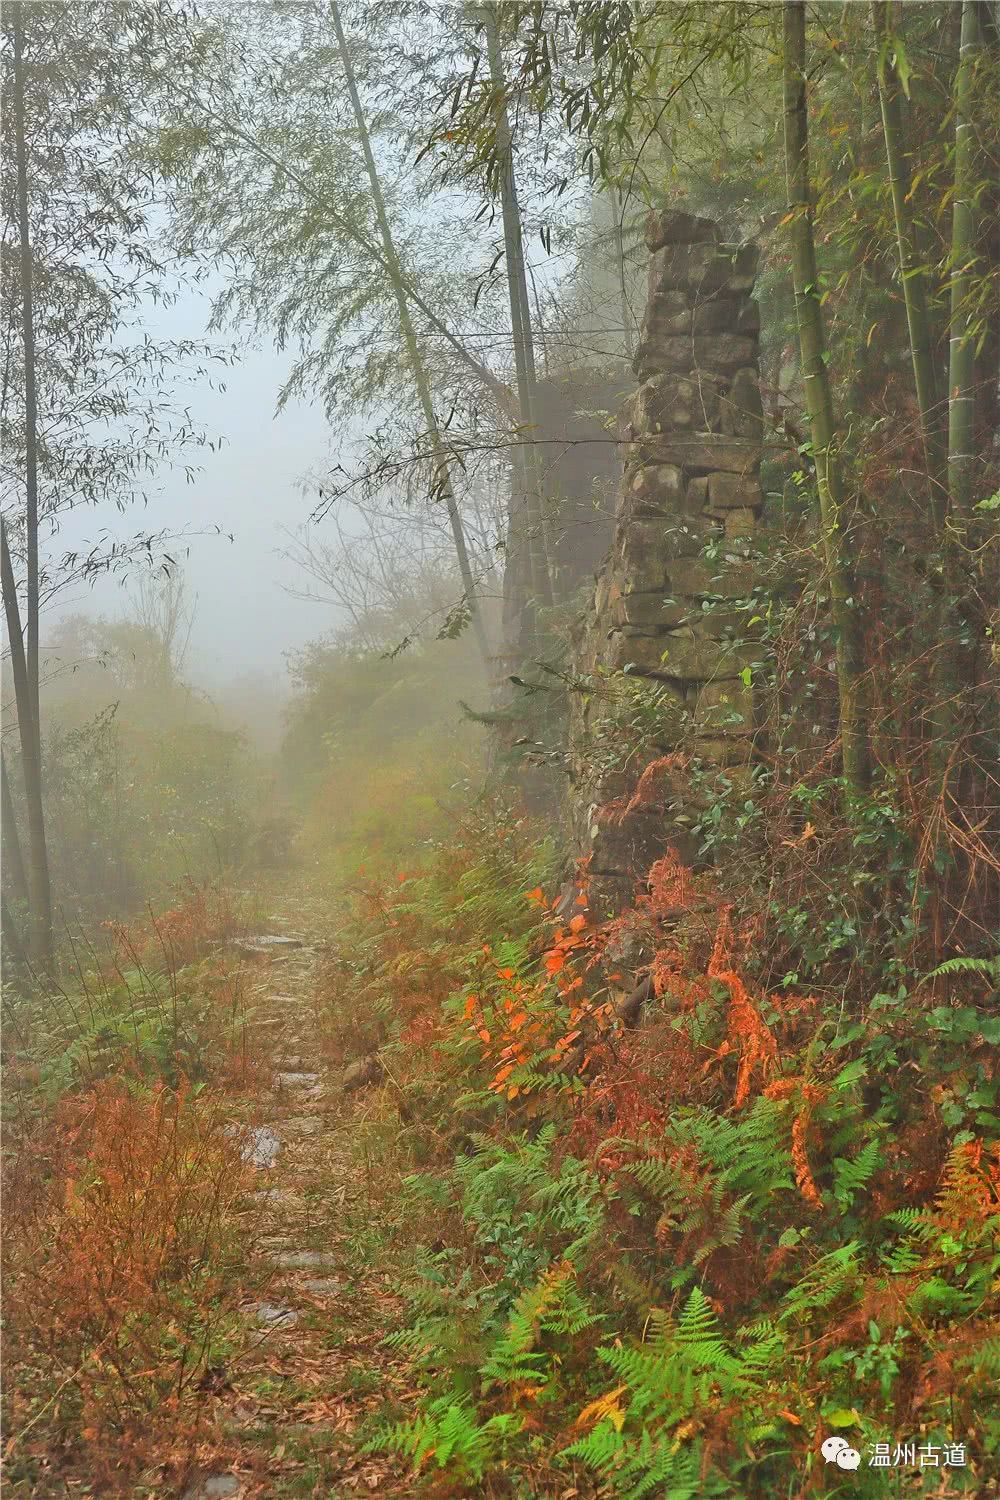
{"x": 245, "y": 619}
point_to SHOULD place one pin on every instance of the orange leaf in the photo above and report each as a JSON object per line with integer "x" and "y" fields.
{"x": 578, "y": 923}
{"x": 516, "y": 1022}
{"x": 483, "y": 1035}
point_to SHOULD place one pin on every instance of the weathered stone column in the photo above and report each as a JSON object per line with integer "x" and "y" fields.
{"x": 687, "y": 505}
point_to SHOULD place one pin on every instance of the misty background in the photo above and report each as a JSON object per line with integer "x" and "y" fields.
{"x": 250, "y": 487}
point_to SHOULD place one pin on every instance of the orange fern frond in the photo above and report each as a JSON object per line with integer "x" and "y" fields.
{"x": 750, "y": 1033}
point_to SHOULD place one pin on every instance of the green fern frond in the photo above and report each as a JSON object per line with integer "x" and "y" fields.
{"x": 822, "y": 1284}
{"x": 448, "y": 1432}
{"x": 989, "y": 968}
{"x": 850, "y": 1176}
{"x": 552, "y": 1307}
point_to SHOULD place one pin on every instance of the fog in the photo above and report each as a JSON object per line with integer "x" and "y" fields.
{"x": 251, "y": 488}
{"x": 500, "y": 542}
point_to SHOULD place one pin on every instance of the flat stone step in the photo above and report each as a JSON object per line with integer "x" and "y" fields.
{"x": 296, "y": 1080}
{"x": 267, "y": 942}
{"x": 261, "y": 1146}
{"x": 275, "y": 1315}
{"x": 322, "y": 1286}
{"x": 273, "y": 1198}
{"x": 306, "y": 1260}
{"x": 214, "y": 1487}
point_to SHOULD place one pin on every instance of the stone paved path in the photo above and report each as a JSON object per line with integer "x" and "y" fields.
{"x": 293, "y": 1402}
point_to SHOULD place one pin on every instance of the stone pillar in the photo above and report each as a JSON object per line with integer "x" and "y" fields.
{"x": 686, "y": 508}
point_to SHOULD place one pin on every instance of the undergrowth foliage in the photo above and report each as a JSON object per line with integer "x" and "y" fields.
{"x": 121, "y": 1247}
{"x": 674, "y": 1246}
{"x": 122, "y": 1180}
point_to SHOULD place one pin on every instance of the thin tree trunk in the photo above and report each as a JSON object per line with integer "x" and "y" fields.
{"x": 912, "y": 272}
{"x": 618, "y": 208}
{"x": 39, "y": 895}
{"x": 13, "y": 857}
{"x": 417, "y": 365}
{"x": 962, "y": 362}
{"x": 539, "y": 547}
{"x": 954, "y": 656}
{"x": 11, "y": 936}
{"x": 819, "y": 405}
{"x": 30, "y": 394}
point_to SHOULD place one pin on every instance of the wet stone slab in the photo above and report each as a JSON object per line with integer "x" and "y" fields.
{"x": 273, "y": 1198}
{"x": 267, "y": 942}
{"x": 303, "y": 1125}
{"x": 305, "y": 1260}
{"x": 322, "y": 1286}
{"x": 296, "y": 1080}
{"x": 274, "y": 1315}
{"x": 261, "y": 1146}
{"x": 214, "y": 1487}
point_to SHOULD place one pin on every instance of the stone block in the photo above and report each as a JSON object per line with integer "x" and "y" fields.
{"x": 731, "y": 491}
{"x": 643, "y": 541}
{"x": 702, "y": 267}
{"x": 717, "y": 621}
{"x": 743, "y": 256}
{"x": 679, "y": 658}
{"x": 656, "y": 486}
{"x": 654, "y": 609}
{"x": 673, "y": 313}
{"x": 640, "y": 565}
{"x": 740, "y": 523}
{"x": 641, "y": 654}
{"x": 696, "y": 496}
{"x": 695, "y": 659}
{"x": 707, "y": 452}
{"x": 720, "y": 352}
{"x": 742, "y": 412}
{"x": 673, "y": 226}
{"x": 717, "y": 353}
{"x": 668, "y": 401}
{"x": 609, "y": 894}
{"x": 724, "y": 707}
{"x": 729, "y": 751}
{"x": 668, "y": 312}
{"x": 637, "y": 844}
{"x": 602, "y": 599}
{"x": 731, "y": 579}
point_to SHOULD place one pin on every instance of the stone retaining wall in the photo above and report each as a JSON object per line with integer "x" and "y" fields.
{"x": 684, "y": 514}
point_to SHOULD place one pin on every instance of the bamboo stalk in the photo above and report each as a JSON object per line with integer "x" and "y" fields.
{"x": 417, "y": 364}
{"x": 819, "y": 405}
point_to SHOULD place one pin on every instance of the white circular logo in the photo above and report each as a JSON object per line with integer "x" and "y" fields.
{"x": 848, "y": 1458}
{"x": 832, "y": 1447}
